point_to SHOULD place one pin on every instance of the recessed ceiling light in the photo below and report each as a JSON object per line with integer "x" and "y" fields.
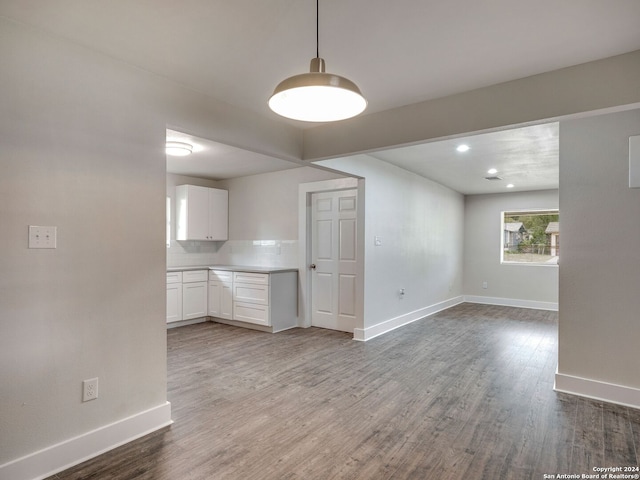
{"x": 462, "y": 148}
{"x": 178, "y": 149}
{"x": 511, "y": 185}
{"x": 492, "y": 171}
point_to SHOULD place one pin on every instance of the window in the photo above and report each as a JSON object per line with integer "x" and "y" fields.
{"x": 531, "y": 237}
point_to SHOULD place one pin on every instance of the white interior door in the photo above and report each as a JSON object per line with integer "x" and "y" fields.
{"x": 333, "y": 253}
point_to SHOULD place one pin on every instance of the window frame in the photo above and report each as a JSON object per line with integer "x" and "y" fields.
{"x": 516, "y": 212}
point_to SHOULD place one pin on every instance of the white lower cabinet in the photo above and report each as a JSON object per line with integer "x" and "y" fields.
{"x": 194, "y": 294}
{"x": 174, "y": 297}
{"x": 266, "y": 301}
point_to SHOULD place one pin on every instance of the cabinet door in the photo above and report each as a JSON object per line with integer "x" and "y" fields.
{"x": 221, "y": 299}
{"x": 198, "y": 213}
{"x": 202, "y": 213}
{"x": 174, "y": 302}
{"x": 192, "y": 212}
{"x": 226, "y": 301}
{"x": 215, "y": 298}
{"x": 218, "y": 214}
{"x": 194, "y": 300}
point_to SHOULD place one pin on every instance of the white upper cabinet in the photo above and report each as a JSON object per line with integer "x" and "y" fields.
{"x": 202, "y": 213}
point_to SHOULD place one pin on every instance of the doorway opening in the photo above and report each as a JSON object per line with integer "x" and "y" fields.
{"x": 331, "y": 232}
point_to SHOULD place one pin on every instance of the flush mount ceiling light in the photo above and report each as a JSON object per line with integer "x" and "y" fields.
{"x": 462, "y": 148}
{"x": 317, "y": 96}
{"x": 492, "y": 171}
{"x": 178, "y": 149}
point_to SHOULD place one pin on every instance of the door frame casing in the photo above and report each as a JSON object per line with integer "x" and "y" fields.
{"x": 305, "y": 190}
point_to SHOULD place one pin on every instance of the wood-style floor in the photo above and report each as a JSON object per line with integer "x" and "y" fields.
{"x": 464, "y": 394}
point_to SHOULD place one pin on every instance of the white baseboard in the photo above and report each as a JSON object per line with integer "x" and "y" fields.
{"x": 512, "y": 302}
{"x": 389, "y": 325}
{"x": 73, "y": 451}
{"x": 183, "y": 323}
{"x": 397, "y": 322}
{"x": 596, "y": 390}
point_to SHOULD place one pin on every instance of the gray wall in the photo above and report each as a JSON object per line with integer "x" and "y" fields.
{"x": 599, "y": 326}
{"x": 598, "y": 85}
{"x": 482, "y": 234}
{"x": 265, "y": 206}
{"x": 420, "y": 224}
{"x": 82, "y": 140}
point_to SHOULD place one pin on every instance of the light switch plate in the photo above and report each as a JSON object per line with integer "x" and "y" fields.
{"x": 42, "y": 237}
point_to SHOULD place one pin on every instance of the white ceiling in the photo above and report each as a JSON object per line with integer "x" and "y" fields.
{"x": 525, "y": 157}
{"x": 398, "y": 52}
{"x": 218, "y": 161}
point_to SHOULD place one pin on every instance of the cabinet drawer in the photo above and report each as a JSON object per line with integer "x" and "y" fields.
{"x": 221, "y": 275}
{"x": 174, "y": 277}
{"x": 247, "y": 277}
{"x": 189, "y": 276}
{"x": 251, "y": 313}
{"x": 251, "y": 293}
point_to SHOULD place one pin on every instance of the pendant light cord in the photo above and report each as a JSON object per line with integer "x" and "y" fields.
{"x": 317, "y": 29}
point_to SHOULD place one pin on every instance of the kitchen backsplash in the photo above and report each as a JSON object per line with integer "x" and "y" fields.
{"x": 191, "y": 252}
{"x": 260, "y": 253}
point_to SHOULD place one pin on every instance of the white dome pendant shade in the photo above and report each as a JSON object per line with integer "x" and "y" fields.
{"x": 317, "y": 96}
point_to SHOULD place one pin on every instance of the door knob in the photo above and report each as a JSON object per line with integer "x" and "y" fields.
{"x": 312, "y": 266}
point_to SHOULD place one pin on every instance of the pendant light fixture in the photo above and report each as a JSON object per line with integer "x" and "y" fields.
{"x": 317, "y": 96}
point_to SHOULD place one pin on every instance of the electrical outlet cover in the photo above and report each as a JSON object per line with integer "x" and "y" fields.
{"x": 90, "y": 389}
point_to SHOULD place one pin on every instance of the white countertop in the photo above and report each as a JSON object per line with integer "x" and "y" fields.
{"x": 234, "y": 268}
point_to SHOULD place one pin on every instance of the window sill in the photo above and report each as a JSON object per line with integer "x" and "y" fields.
{"x": 530, "y": 264}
